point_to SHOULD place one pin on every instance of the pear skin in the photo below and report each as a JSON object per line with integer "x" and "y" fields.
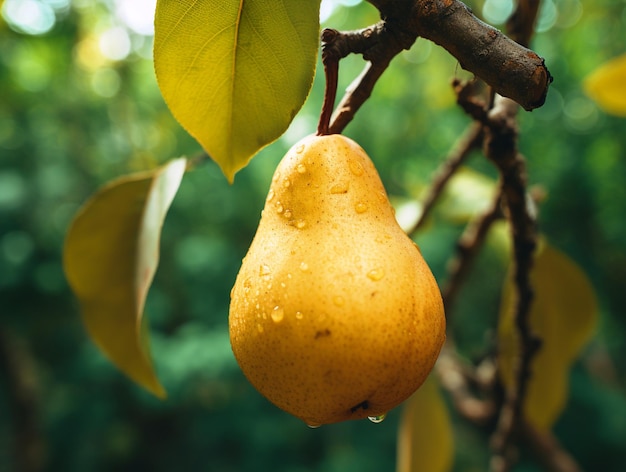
{"x": 334, "y": 314}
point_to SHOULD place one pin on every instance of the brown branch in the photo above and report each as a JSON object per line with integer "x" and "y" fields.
{"x": 330, "y": 59}
{"x": 458, "y": 380}
{"x": 510, "y": 68}
{"x": 548, "y": 450}
{"x": 461, "y": 382}
{"x": 468, "y": 247}
{"x": 469, "y": 141}
{"x": 501, "y": 149}
{"x": 521, "y": 24}
{"x": 378, "y": 46}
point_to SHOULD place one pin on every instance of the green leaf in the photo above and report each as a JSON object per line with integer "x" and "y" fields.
{"x": 563, "y": 314}
{"x": 111, "y": 254}
{"x": 607, "y": 86}
{"x": 425, "y": 438}
{"x": 233, "y": 72}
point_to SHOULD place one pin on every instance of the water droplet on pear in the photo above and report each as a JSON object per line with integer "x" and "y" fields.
{"x": 377, "y": 419}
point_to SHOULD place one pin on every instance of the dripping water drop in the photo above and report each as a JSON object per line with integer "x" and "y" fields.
{"x": 377, "y": 419}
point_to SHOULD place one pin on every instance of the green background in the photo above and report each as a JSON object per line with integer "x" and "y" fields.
{"x": 71, "y": 119}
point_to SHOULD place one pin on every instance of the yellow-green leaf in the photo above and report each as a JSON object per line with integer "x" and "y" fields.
{"x": 563, "y": 314}
{"x": 425, "y": 438}
{"x": 607, "y": 86}
{"x": 111, "y": 254}
{"x": 234, "y": 73}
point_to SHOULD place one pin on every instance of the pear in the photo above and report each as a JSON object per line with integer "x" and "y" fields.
{"x": 334, "y": 314}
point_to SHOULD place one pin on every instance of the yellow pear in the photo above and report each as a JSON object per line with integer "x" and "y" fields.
{"x": 334, "y": 314}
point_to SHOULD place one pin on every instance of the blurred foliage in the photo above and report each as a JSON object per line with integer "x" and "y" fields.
{"x": 79, "y": 106}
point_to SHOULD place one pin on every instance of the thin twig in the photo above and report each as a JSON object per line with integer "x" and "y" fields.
{"x": 456, "y": 379}
{"x": 468, "y": 247}
{"x": 378, "y": 47}
{"x": 330, "y": 59}
{"x": 358, "y": 92}
{"x": 547, "y": 449}
{"x": 463, "y": 148}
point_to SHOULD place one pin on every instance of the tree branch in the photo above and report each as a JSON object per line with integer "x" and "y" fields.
{"x": 468, "y": 247}
{"x": 548, "y": 450}
{"x": 471, "y": 140}
{"x": 510, "y": 68}
{"x": 501, "y": 148}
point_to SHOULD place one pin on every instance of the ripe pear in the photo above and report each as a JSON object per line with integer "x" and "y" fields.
{"x": 334, "y": 314}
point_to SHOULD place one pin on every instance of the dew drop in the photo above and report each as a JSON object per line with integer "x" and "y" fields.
{"x": 287, "y": 214}
{"x": 314, "y": 426}
{"x": 276, "y": 177}
{"x": 278, "y": 314}
{"x": 259, "y": 327}
{"x": 360, "y": 207}
{"x": 338, "y": 300}
{"x": 300, "y": 224}
{"x": 232, "y": 291}
{"x": 341, "y": 187}
{"x": 286, "y": 182}
{"x": 356, "y": 168}
{"x": 270, "y": 195}
{"x": 300, "y": 148}
{"x": 279, "y": 207}
{"x": 264, "y": 270}
{"x": 301, "y": 169}
{"x": 376, "y": 274}
{"x": 299, "y": 315}
{"x": 304, "y": 266}
{"x": 377, "y": 419}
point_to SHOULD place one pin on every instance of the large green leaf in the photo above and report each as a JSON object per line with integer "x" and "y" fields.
{"x": 235, "y": 72}
{"x": 425, "y": 438}
{"x": 563, "y": 314}
{"x": 110, "y": 257}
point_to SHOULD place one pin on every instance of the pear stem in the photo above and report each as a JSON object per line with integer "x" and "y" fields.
{"x": 331, "y": 72}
